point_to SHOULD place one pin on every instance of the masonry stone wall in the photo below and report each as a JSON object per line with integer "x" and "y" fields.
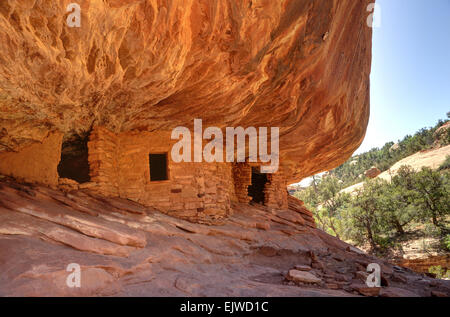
{"x": 242, "y": 177}
{"x": 103, "y": 148}
{"x": 120, "y": 167}
{"x": 275, "y": 190}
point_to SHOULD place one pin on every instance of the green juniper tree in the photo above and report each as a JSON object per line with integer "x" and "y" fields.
{"x": 432, "y": 197}
{"x": 394, "y": 208}
{"x": 364, "y": 213}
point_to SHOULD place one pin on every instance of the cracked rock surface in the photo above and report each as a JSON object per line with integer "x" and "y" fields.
{"x": 125, "y": 249}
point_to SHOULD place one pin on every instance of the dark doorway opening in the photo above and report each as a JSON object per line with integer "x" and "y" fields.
{"x": 158, "y": 167}
{"x": 74, "y": 163}
{"x": 256, "y": 189}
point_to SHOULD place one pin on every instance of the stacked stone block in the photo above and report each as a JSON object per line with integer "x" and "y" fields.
{"x": 242, "y": 176}
{"x": 102, "y": 147}
{"x": 275, "y": 191}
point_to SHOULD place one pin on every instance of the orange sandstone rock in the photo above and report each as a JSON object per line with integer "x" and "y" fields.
{"x": 302, "y": 66}
{"x": 372, "y": 172}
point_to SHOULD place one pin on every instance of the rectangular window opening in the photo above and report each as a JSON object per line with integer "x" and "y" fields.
{"x": 158, "y": 167}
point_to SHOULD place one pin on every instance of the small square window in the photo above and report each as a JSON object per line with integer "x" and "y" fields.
{"x": 158, "y": 167}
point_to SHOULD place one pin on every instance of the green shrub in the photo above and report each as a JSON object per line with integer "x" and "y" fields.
{"x": 439, "y": 272}
{"x": 446, "y": 164}
{"x": 446, "y": 242}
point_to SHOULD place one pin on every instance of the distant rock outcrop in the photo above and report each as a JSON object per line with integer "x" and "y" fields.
{"x": 372, "y": 172}
{"x": 394, "y": 148}
{"x": 442, "y": 135}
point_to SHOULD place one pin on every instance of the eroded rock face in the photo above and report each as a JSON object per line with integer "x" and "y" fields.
{"x": 301, "y": 65}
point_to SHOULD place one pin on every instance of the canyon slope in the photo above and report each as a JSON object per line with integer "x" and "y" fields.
{"x": 300, "y": 65}
{"x": 432, "y": 158}
{"x": 125, "y": 249}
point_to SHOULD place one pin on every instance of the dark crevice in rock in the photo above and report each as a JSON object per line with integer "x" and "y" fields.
{"x": 74, "y": 162}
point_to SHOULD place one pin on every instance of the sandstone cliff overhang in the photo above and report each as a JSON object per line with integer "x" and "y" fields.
{"x": 301, "y": 65}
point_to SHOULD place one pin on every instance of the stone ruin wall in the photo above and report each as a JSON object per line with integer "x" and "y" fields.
{"x": 119, "y": 167}
{"x": 276, "y": 195}
{"x": 275, "y": 190}
{"x": 242, "y": 177}
{"x": 103, "y": 164}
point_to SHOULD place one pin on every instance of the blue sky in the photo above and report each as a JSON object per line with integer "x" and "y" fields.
{"x": 410, "y": 80}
